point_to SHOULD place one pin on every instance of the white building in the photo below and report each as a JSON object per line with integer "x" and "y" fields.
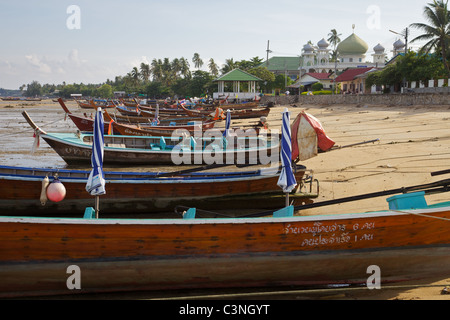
{"x": 351, "y": 54}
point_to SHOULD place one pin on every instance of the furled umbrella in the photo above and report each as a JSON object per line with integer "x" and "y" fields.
{"x": 96, "y": 182}
{"x": 227, "y": 124}
{"x": 287, "y": 179}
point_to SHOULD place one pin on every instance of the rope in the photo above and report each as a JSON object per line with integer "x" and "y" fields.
{"x": 421, "y": 215}
{"x": 28, "y": 130}
{"x": 296, "y": 292}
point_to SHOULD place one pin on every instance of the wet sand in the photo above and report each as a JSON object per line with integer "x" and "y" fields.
{"x": 413, "y": 142}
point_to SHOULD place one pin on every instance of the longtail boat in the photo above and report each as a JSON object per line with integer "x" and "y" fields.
{"x": 76, "y": 148}
{"x": 90, "y": 104}
{"x": 150, "y": 192}
{"x": 231, "y": 106}
{"x": 178, "y": 117}
{"x": 156, "y": 130}
{"x": 48, "y": 256}
{"x": 84, "y": 124}
{"x": 235, "y": 114}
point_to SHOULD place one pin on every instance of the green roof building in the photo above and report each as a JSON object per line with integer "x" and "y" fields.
{"x": 236, "y": 85}
{"x": 289, "y": 66}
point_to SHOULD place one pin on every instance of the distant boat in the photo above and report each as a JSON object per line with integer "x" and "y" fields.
{"x": 86, "y": 124}
{"x": 218, "y": 113}
{"x": 77, "y": 148}
{"x": 91, "y": 104}
{"x": 156, "y": 130}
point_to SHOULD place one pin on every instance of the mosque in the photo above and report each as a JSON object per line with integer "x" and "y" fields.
{"x": 352, "y": 53}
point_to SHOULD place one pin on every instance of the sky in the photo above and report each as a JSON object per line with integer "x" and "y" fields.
{"x": 80, "y": 41}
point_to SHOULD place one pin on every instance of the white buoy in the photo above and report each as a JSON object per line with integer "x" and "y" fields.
{"x": 56, "y": 191}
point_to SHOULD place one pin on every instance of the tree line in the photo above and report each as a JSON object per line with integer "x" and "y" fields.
{"x": 164, "y": 77}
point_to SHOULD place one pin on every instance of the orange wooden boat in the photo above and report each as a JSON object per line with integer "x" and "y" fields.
{"x": 157, "y": 130}
{"x": 43, "y": 256}
{"x": 90, "y": 104}
{"x": 219, "y": 113}
{"x": 148, "y": 150}
{"x": 150, "y": 192}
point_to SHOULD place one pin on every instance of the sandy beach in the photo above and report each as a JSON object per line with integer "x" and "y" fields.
{"x": 413, "y": 142}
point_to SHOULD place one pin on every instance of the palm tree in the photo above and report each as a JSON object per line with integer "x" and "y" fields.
{"x": 213, "y": 68}
{"x": 334, "y": 40}
{"x": 135, "y": 75}
{"x": 229, "y": 65}
{"x": 256, "y": 61}
{"x": 176, "y": 67}
{"x": 185, "y": 71}
{"x": 198, "y": 62}
{"x": 157, "y": 70}
{"x": 145, "y": 71}
{"x": 437, "y": 32}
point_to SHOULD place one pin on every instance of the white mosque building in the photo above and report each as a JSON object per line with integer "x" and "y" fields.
{"x": 352, "y": 53}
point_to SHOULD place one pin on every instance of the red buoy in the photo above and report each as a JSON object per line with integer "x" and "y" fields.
{"x": 56, "y": 191}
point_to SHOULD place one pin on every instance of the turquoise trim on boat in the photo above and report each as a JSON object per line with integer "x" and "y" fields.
{"x": 89, "y": 213}
{"x": 287, "y": 212}
{"x": 408, "y": 201}
{"x": 190, "y": 214}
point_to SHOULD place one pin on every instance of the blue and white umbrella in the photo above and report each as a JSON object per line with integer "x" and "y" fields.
{"x": 287, "y": 179}
{"x": 227, "y": 124}
{"x": 96, "y": 181}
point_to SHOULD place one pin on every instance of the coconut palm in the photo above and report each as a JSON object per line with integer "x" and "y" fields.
{"x": 135, "y": 75}
{"x": 334, "y": 40}
{"x": 228, "y": 66}
{"x": 176, "y": 67}
{"x": 213, "y": 68}
{"x": 198, "y": 62}
{"x": 145, "y": 71}
{"x": 185, "y": 71}
{"x": 157, "y": 70}
{"x": 437, "y": 32}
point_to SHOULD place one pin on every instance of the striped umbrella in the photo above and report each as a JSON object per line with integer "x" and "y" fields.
{"x": 96, "y": 182}
{"x": 287, "y": 179}
{"x": 227, "y": 124}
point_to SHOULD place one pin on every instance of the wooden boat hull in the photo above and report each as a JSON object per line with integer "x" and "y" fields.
{"x": 171, "y": 117}
{"x": 74, "y": 150}
{"x": 122, "y": 255}
{"x": 85, "y": 124}
{"x": 133, "y": 192}
{"x": 165, "y": 131}
{"x": 92, "y": 105}
{"x": 235, "y": 114}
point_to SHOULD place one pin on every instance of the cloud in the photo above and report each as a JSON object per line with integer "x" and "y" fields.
{"x": 137, "y": 62}
{"x": 36, "y": 62}
{"x": 74, "y": 58}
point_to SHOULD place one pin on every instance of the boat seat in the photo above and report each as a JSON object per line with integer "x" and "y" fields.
{"x": 116, "y": 145}
{"x": 89, "y": 213}
{"x": 407, "y": 201}
{"x": 162, "y": 143}
{"x": 160, "y": 146}
{"x": 190, "y": 214}
{"x": 284, "y": 213}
